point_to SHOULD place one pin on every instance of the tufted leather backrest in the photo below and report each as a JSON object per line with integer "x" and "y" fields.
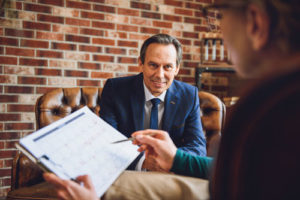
{"x": 213, "y": 113}
{"x": 59, "y": 103}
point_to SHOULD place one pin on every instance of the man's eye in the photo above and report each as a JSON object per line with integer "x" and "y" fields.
{"x": 168, "y": 67}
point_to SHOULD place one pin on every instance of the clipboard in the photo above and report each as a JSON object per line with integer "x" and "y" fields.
{"x": 80, "y": 143}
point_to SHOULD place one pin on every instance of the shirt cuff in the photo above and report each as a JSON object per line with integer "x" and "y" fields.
{"x": 139, "y": 165}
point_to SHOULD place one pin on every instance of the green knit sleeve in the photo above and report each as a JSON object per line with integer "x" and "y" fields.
{"x": 191, "y": 165}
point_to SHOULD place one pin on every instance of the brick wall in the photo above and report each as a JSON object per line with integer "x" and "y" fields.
{"x": 46, "y": 44}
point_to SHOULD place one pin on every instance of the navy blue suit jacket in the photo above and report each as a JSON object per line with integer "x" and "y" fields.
{"x": 122, "y": 106}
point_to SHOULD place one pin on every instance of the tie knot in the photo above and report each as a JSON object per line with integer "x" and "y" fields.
{"x": 155, "y": 101}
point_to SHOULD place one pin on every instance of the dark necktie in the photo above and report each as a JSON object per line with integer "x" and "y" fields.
{"x": 154, "y": 113}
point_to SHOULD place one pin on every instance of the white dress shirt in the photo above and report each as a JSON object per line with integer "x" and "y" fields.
{"x": 147, "y": 115}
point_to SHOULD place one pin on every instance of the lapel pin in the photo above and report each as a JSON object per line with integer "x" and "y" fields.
{"x": 172, "y": 102}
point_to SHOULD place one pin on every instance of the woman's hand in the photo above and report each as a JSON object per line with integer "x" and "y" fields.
{"x": 158, "y": 145}
{"x": 67, "y": 189}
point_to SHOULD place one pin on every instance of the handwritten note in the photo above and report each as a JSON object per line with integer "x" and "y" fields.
{"x": 81, "y": 143}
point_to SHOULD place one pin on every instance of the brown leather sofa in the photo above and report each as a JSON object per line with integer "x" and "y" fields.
{"x": 27, "y": 181}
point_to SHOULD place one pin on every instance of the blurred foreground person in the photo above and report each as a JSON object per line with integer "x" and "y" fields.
{"x": 259, "y": 150}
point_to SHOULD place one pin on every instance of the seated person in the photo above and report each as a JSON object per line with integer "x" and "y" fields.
{"x": 262, "y": 36}
{"x": 126, "y": 102}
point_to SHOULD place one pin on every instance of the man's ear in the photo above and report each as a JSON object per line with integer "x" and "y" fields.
{"x": 177, "y": 70}
{"x": 140, "y": 64}
{"x": 257, "y": 26}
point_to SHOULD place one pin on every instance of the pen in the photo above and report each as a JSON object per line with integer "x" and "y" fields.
{"x": 130, "y": 139}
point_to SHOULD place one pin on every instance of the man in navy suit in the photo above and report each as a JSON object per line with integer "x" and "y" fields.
{"x": 126, "y": 101}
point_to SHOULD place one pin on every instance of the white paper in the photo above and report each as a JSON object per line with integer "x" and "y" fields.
{"x": 79, "y": 144}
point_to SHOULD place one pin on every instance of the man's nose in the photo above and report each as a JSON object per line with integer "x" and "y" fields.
{"x": 160, "y": 71}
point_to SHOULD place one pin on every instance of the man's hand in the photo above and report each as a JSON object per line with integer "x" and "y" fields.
{"x": 159, "y": 147}
{"x": 67, "y": 189}
{"x": 151, "y": 164}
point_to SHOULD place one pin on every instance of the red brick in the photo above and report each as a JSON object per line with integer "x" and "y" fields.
{"x": 144, "y": 6}
{"x": 77, "y": 22}
{"x": 115, "y": 50}
{"x": 92, "y": 15}
{"x": 174, "y": 3}
{"x": 50, "y": 18}
{"x": 98, "y": 1}
{"x": 31, "y": 80}
{"x": 19, "y": 5}
{"x": 193, "y": 5}
{"x": 86, "y": 83}
{"x": 130, "y": 12}
{"x": 188, "y": 79}
{"x": 34, "y": 43}
{"x": 199, "y": 14}
{"x": 43, "y": 90}
{"x": 101, "y": 75}
{"x": 48, "y": 72}
{"x": 173, "y": 18}
{"x": 10, "y": 117}
{"x": 36, "y": 25}
{"x": 103, "y": 58}
{"x": 95, "y": 66}
{"x": 129, "y": 28}
{"x": 191, "y": 64}
{"x": 75, "y": 38}
{"x": 37, "y": 8}
{"x": 88, "y": 31}
{"x": 127, "y": 43}
{"x": 19, "y": 126}
{"x": 133, "y": 69}
{"x": 103, "y": 8}
{"x": 74, "y": 73}
{"x": 162, "y": 24}
{"x": 181, "y": 11}
{"x": 127, "y": 60}
{"x": 90, "y": 48}
{"x": 185, "y": 42}
{"x": 8, "y": 60}
{"x": 10, "y": 145}
{"x": 103, "y": 25}
{"x": 63, "y": 46}
{"x": 49, "y": 36}
{"x": 191, "y": 35}
{"x": 185, "y": 72}
{"x": 52, "y": 2}
{"x": 10, "y": 135}
{"x": 200, "y": 28}
{"x": 18, "y": 33}
{"x": 149, "y": 30}
{"x": 8, "y": 41}
{"x": 192, "y": 20}
{"x": 151, "y": 15}
{"x": 19, "y": 90}
{"x": 20, "y": 108}
{"x": 64, "y": 29}
{"x": 103, "y": 41}
{"x": 79, "y": 5}
{"x": 33, "y": 62}
{"x": 8, "y": 154}
{"x": 8, "y": 98}
{"x": 1, "y": 51}
{"x": 49, "y": 54}
{"x": 19, "y": 52}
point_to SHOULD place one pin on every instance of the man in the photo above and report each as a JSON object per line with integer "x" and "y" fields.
{"x": 126, "y": 101}
{"x": 262, "y": 36}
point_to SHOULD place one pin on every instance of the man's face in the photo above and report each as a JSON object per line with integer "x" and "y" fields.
{"x": 159, "y": 68}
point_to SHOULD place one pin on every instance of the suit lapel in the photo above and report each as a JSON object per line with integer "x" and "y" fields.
{"x": 171, "y": 106}
{"x": 137, "y": 101}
